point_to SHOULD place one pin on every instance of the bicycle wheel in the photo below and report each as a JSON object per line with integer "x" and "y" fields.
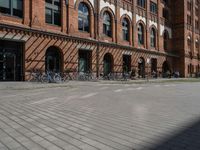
{"x": 57, "y": 78}
{"x": 44, "y": 78}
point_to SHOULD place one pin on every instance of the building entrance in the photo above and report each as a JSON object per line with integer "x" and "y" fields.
{"x": 53, "y": 60}
{"x": 126, "y": 63}
{"x": 141, "y": 67}
{"x": 10, "y": 61}
{"x": 107, "y": 64}
{"x": 85, "y": 61}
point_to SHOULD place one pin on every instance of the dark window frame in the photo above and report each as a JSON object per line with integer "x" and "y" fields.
{"x": 166, "y": 40}
{"x": 84, "y": 17}
{"x": 153, "y": 38}
{"x": 55, "y": 7}
{"x": 153, "y": 7}
{"x": 107, "y": 24}
{"x": 125, "y": 29}
{"x": 140, "y": 34}
{"x": 12, "y": 11}
{"x": 141, "y": 3}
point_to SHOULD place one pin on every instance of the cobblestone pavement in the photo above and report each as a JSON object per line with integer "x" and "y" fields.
{"x": 95, "y": 116}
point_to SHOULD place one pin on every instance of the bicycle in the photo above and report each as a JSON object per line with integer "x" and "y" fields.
{"x": 51, "y": 77}
{"x": 35, "y": 76}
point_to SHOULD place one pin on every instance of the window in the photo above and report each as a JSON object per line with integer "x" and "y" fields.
{"x": 141, "y": 3}
{"x": 166, "y": 39}
{"x": 153, "y": 38}
{"x": 197, "y": 11}
{"x": 196, "y": 24}
{"x": 166, "y": 2}
{"x": 153, "y": 7}
{"x": 166, "y": 14}
{"x": 125, "y": 29}
{"x": 107, "y": 24}
{"x": 140, "y": 34}
{"x": 83, "y": 18}
{"x": 12, "y": 7}
{"x": 53, "y": 12}
{"x": 189, "y": 6}
{"x": 189, "y": 20}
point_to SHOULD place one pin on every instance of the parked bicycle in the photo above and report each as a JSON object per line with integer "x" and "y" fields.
{"x": 35, "y": 75}
{"x": 86, "y": 76}
{"x": 51, "y": 77}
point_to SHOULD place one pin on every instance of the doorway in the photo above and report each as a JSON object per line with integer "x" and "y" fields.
{"x": 154, "y": 67}
{"x": 141, "y": 67}
{"x": 11, "y": 61}
{"x": 126, "y": 63}
{"x": 53, "y": 60}
{"x": 85, "y": 61}
{"x": 107, "y": 64}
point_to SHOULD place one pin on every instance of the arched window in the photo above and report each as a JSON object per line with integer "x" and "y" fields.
{"x": 125, "y": 29}
{"x": 140, "y": 34}
{"x": 83, "y": 18}
{"x": 153, "y": 37}
{"x": 107, "y": 24}
{"x": 166, "y": 39}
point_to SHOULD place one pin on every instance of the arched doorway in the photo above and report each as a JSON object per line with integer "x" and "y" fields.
{"x": 165, "y": 69}
{"x": 141, "y": 67}
{"x": 107, "y": 64}
{"x": 53, "y": 60}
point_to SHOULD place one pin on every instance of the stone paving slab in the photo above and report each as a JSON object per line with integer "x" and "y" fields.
{"x": 93, "y": 116}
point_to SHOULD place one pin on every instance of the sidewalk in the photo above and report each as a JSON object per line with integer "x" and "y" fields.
{"x": 70, "y": 84}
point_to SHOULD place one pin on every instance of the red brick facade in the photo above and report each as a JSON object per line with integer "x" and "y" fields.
{"x": 37, "y": 36}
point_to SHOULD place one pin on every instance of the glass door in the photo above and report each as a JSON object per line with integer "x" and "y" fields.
{"x": 7, "y": 66}
{"x": 107, "y": 67}
{"x": 82, "y": 65}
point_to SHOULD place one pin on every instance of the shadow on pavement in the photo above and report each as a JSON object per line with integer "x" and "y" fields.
{"x": 187, "y": 139}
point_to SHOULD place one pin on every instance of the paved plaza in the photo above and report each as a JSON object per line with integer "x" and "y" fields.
{"x": 100, "y": 116}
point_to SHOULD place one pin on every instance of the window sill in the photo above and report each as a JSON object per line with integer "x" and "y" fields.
{"x": 53, "y": 25}
{"x": 11, "y": 16}
{"x": 140, "y": 7}
{"x": 104, "y": 35}
{"x": 84, "y": 32}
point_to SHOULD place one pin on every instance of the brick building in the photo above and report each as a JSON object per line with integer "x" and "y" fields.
{"x": 101, "y": 36}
